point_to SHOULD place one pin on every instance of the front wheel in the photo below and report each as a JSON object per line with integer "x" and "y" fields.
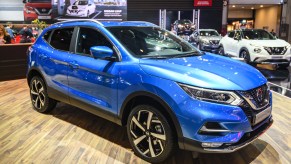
{"x": 150, "y": 134}
{"x": 245, "y": 55}
{"x": 39, "y": 97}
{"x": 221, "y": 51}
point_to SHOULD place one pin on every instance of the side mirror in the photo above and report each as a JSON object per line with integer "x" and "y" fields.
{"x": 24, "y": 1}
{"x": 102, "y": 52}
{"x": 90, "y": 4}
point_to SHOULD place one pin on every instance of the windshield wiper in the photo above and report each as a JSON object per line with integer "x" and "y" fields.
{"x": 189, "y": 54}
{"x": 156, "y": 57}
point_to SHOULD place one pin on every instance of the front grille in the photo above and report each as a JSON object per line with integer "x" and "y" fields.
{"x": 256, "y": 100}
{"x": 214, "y": 42}
{"x": 43, "y": 11}
{"x": 276, "y": 50}
{"x": 258, "y": 97}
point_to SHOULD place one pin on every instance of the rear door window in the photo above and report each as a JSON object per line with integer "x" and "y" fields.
{"x": 231, "y": 34}
{"x": 61, "y": 39}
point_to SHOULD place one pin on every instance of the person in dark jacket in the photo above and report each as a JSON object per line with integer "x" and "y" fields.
{"x": 26, "y": 34}
{"x": 4, "y": 36}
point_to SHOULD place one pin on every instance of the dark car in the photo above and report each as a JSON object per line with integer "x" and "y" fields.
{"x": 183, "y": 27}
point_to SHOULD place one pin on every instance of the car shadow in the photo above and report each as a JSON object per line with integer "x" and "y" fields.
{"x": 117, "y": 135}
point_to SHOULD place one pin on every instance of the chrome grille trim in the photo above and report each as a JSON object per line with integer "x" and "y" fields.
{"x": 250, "y": 97}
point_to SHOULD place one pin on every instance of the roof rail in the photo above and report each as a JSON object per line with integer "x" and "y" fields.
{"x": 80, "y": 20}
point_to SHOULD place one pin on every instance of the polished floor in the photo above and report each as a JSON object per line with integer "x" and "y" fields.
{"x": 70, "y": 135}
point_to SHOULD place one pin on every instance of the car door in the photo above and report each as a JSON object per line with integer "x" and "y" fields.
{"x": 53, "y": 61}
{"x": 93, "y": 82}
{"x": 227, "y": 41}
{"x": 237, "y": 39}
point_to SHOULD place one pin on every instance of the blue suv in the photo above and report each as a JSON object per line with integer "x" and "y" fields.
{"x": 167, "y": 93}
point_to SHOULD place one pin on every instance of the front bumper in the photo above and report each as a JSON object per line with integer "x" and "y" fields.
{"x": 210, "y": 48}
{"x": 192, "y": 145}
{"x": 74, "y": 13}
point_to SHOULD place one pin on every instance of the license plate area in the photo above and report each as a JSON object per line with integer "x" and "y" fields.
{"x": 44, "y": 17}
{"x": 263, "y": 115}
{"x": 277, "y": 57}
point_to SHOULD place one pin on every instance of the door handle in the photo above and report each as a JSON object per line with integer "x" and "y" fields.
{"x": 74, "y": 65}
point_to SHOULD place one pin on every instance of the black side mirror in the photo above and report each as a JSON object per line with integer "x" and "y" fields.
{"x": 24, "y": 1}
{"x": 90, "y": 5}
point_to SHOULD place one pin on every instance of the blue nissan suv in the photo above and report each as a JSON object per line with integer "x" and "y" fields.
{"x": 166, "y": 92}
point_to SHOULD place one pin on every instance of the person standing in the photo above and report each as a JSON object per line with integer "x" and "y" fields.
{"x": 4, "y": 36}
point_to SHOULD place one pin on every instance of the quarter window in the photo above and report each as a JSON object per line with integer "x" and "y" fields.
{"x": 88, "y": 38}
{"x": 61, "y": 39}
{"x": 46, "y": 36}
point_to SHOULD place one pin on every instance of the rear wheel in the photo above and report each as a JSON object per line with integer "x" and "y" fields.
{"x": 150, "y": 134}
{"x": 39, "y": 97}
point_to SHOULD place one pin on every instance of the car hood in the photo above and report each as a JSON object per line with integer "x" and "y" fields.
{"x": 206, "y": 71}
{"x": 211, "y": 37}
{"x": 269, "y": 43}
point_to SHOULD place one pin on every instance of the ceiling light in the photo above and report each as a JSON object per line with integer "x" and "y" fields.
{"x": 252, "y": 8}
{"x": 262, "y": 6}
{"x": 233, "y": 5}
{"x": 243, "y": 7}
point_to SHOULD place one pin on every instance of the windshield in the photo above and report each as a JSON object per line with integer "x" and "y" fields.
{"x": 184, "y": 21}
{"x": 152, "y": 42}
{"x": 257, "y": 35}
{"x": 209, "y": 33}
{"x": 81, "y": 3}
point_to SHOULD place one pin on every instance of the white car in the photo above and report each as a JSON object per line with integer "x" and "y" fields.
{"x": 257, "y": 46}
{"x": 81, "y": 8}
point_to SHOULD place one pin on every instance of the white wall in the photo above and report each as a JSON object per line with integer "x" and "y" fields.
{"x": 269, "y": 17}
{"x": 240, "y": 14}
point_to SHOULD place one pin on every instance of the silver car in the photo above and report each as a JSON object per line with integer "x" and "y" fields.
{"x": 206, "y": 39}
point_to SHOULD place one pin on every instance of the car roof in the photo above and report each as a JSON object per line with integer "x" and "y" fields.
{"x": 127, "y": 23}
{"x": 105, "y": 23}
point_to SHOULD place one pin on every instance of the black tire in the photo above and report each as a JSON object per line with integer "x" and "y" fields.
{"x": 151, "y": 139}
{"x": 221, "y": 51}
{"x": 39, "y": 97}
{"x": 246, "y": 55}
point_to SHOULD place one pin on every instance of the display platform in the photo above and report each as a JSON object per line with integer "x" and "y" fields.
{"x": 71, "y": 135}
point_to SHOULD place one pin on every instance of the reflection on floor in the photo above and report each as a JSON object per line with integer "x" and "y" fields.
{"x": 70, "y": 135}
{"x": 279, "y": 78}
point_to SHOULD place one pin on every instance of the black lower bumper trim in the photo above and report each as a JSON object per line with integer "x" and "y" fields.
{"x": 248, "y": 138}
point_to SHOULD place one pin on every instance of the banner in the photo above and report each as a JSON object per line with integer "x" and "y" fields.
{"x": 50, "y": 11}
{"x": 115, "y": 10}
{"x": 198, "y": 3}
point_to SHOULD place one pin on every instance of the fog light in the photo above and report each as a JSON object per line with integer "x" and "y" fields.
{"x": 257, "y": 50}
{"x": 211, "y": 144}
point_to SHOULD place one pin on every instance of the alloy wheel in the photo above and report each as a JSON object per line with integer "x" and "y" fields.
{"x": 37, "y": 94}
{"x": 147, "y": 133}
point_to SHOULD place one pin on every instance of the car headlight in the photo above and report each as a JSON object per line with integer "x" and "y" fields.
{"x": 218, "y": 96}
{"x": 257, "y": 50}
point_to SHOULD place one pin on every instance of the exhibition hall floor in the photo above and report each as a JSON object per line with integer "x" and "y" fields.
{"x": 71, "y": 135}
